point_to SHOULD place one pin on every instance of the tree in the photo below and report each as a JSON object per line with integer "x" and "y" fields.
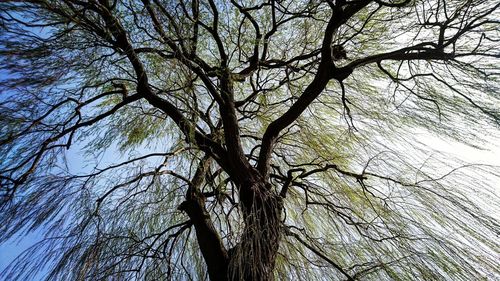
{"x": 258, "y": 140}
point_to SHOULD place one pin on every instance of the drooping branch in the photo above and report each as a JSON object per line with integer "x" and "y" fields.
{"x": 318, "y": 253}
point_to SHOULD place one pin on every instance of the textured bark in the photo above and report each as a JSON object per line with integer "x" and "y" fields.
{"x": 255, "y": 256}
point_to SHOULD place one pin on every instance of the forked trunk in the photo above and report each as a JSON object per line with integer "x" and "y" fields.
{"x": 253, "y": 258}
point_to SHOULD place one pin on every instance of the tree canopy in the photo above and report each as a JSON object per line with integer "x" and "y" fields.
{"x": 248, "y": 140}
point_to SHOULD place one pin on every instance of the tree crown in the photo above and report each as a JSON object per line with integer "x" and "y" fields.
{"x": 216, "y": 106}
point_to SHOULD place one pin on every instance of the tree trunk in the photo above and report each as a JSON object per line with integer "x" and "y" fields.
{"x": 254, "y": 257}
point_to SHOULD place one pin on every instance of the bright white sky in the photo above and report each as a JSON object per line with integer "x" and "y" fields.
{"x": 490, "y": 155}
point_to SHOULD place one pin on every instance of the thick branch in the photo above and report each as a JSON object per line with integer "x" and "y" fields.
{"x": 209, "y": 241}
{"x": 325, "y": 72}
{"x": 143, "y": 88}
